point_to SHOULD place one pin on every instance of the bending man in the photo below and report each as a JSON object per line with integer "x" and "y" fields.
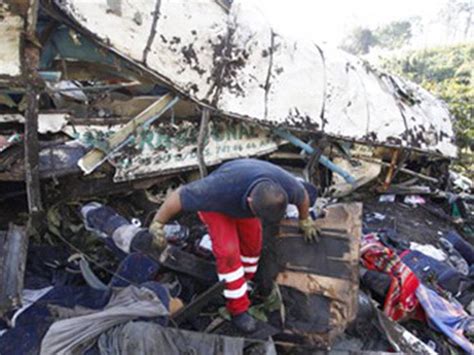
{"x": 233, "y": 202}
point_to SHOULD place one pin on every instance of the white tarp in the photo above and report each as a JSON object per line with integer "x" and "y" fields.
{"x": 235, "y": 62}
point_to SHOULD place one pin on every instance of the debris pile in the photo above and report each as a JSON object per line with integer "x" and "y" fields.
{"x": 101, "y": 118}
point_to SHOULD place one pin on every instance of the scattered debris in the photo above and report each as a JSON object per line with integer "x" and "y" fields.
{"x": 134, "y": 99}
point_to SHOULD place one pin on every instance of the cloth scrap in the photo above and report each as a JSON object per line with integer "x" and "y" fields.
{"x": 400, "y": 301}
{"x": 462, "y": 246}
{"x": 149, "y": 338}
{"x": 446, "y": 317}
{"x": 75, "y": 335}
{"x": 429, "y": 250}
{"x": 28, "y": 298}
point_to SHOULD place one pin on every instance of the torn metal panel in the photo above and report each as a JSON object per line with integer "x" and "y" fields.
{"x": 78, "y": 50}
{"x": 296, "y": 85}
{"x": 11, "y": 27}
{"x": 173, "y": 35}
{"x": 134, "y": 22}
{"x": 400, "y": 338}
{"x": 120, "y": 138}
{"x": 13, "y": 251}
{"x": 60, "y": 160}
{"x": 346, "y": 107}
{"x": 135, "y": 105}
{"x": 242, "y": 84}
{"x": 235, "y": 62}
{"x": 362, "y": 171}
{"x": 156, "y": 151}
{"x": 47, "y": 122}
{"x": 190, "y": 38}
{"x": 428, "y": 119}
{"x": 54, "y": 161}
{"x": 165, "y": 148}
{"x": 8, "y": 141}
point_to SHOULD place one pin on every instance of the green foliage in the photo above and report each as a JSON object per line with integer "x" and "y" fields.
{"x": 448, "y": 73}
{"x": 391, "y": 36}
{"x": 359, "y": 41}
{"x": 394, "y": 35}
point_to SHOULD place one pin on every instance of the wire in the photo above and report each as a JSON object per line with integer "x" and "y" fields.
{"x": 96, "y": 263}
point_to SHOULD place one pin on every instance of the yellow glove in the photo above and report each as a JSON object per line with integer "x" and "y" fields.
{"x": 309, "y": 229}
{"x": 158, "y": 232}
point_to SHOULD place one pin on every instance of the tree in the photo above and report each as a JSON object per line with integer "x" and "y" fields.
{"x": 359, "y": 41}
{"x": 457, "y": 17}
{"x": 394, "y": 35}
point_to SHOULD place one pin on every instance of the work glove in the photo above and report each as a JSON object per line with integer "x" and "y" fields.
{"x": 158, "y": 232}
{"x": 310, "y": 231}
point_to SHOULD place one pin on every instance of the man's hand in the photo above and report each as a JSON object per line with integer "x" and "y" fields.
{"x": 309, "y": 229}
{"x": 158, "y": 232}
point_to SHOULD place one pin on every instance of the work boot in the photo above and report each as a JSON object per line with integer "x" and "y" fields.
{"x": 245, "y": 322}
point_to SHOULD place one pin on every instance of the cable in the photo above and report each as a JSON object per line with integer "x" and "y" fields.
{"x": 96, "y": 263}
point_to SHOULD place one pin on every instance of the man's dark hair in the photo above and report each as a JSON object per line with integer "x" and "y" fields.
{"x": 269, "y": 201}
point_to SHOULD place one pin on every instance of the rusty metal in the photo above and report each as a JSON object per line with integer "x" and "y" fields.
{"x": 31, "y": 142}
{"x": 13, "y": 252}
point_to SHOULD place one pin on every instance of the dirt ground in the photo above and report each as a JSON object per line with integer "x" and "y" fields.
{"x": 413, "y": 224}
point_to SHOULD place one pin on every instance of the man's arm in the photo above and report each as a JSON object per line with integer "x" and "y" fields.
{"x": 170, "y": 208}
{"x": 303, "y": 207}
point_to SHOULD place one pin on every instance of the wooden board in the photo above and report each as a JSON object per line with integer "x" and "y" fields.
{"x": 320, "y": 282}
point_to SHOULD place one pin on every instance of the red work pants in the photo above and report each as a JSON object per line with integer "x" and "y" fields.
{"x": 236, "y": 245}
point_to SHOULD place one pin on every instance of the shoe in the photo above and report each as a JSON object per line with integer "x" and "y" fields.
{"x": 245, "y": 322}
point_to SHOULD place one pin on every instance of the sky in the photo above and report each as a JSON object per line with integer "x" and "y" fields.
{"x": 329, "y": 21}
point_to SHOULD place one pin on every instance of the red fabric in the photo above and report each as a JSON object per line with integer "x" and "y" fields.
{"x": 401, "y": 301}
{"x": 232, "y": 239}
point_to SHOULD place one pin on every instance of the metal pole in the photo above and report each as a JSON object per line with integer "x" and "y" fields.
{"x": 322, "y": 159}
{"x": 33, "y": 85}
{"x": 203, "y": 130}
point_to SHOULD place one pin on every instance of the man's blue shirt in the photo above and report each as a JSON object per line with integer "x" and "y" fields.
{"x": 226, "y": 189}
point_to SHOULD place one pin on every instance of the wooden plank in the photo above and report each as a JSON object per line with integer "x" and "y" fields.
{"x": 180, "y": 261}
{"x": 96, "y": 157}
{"x": 391, "y": 169}
{"x": 403, "y": 170}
